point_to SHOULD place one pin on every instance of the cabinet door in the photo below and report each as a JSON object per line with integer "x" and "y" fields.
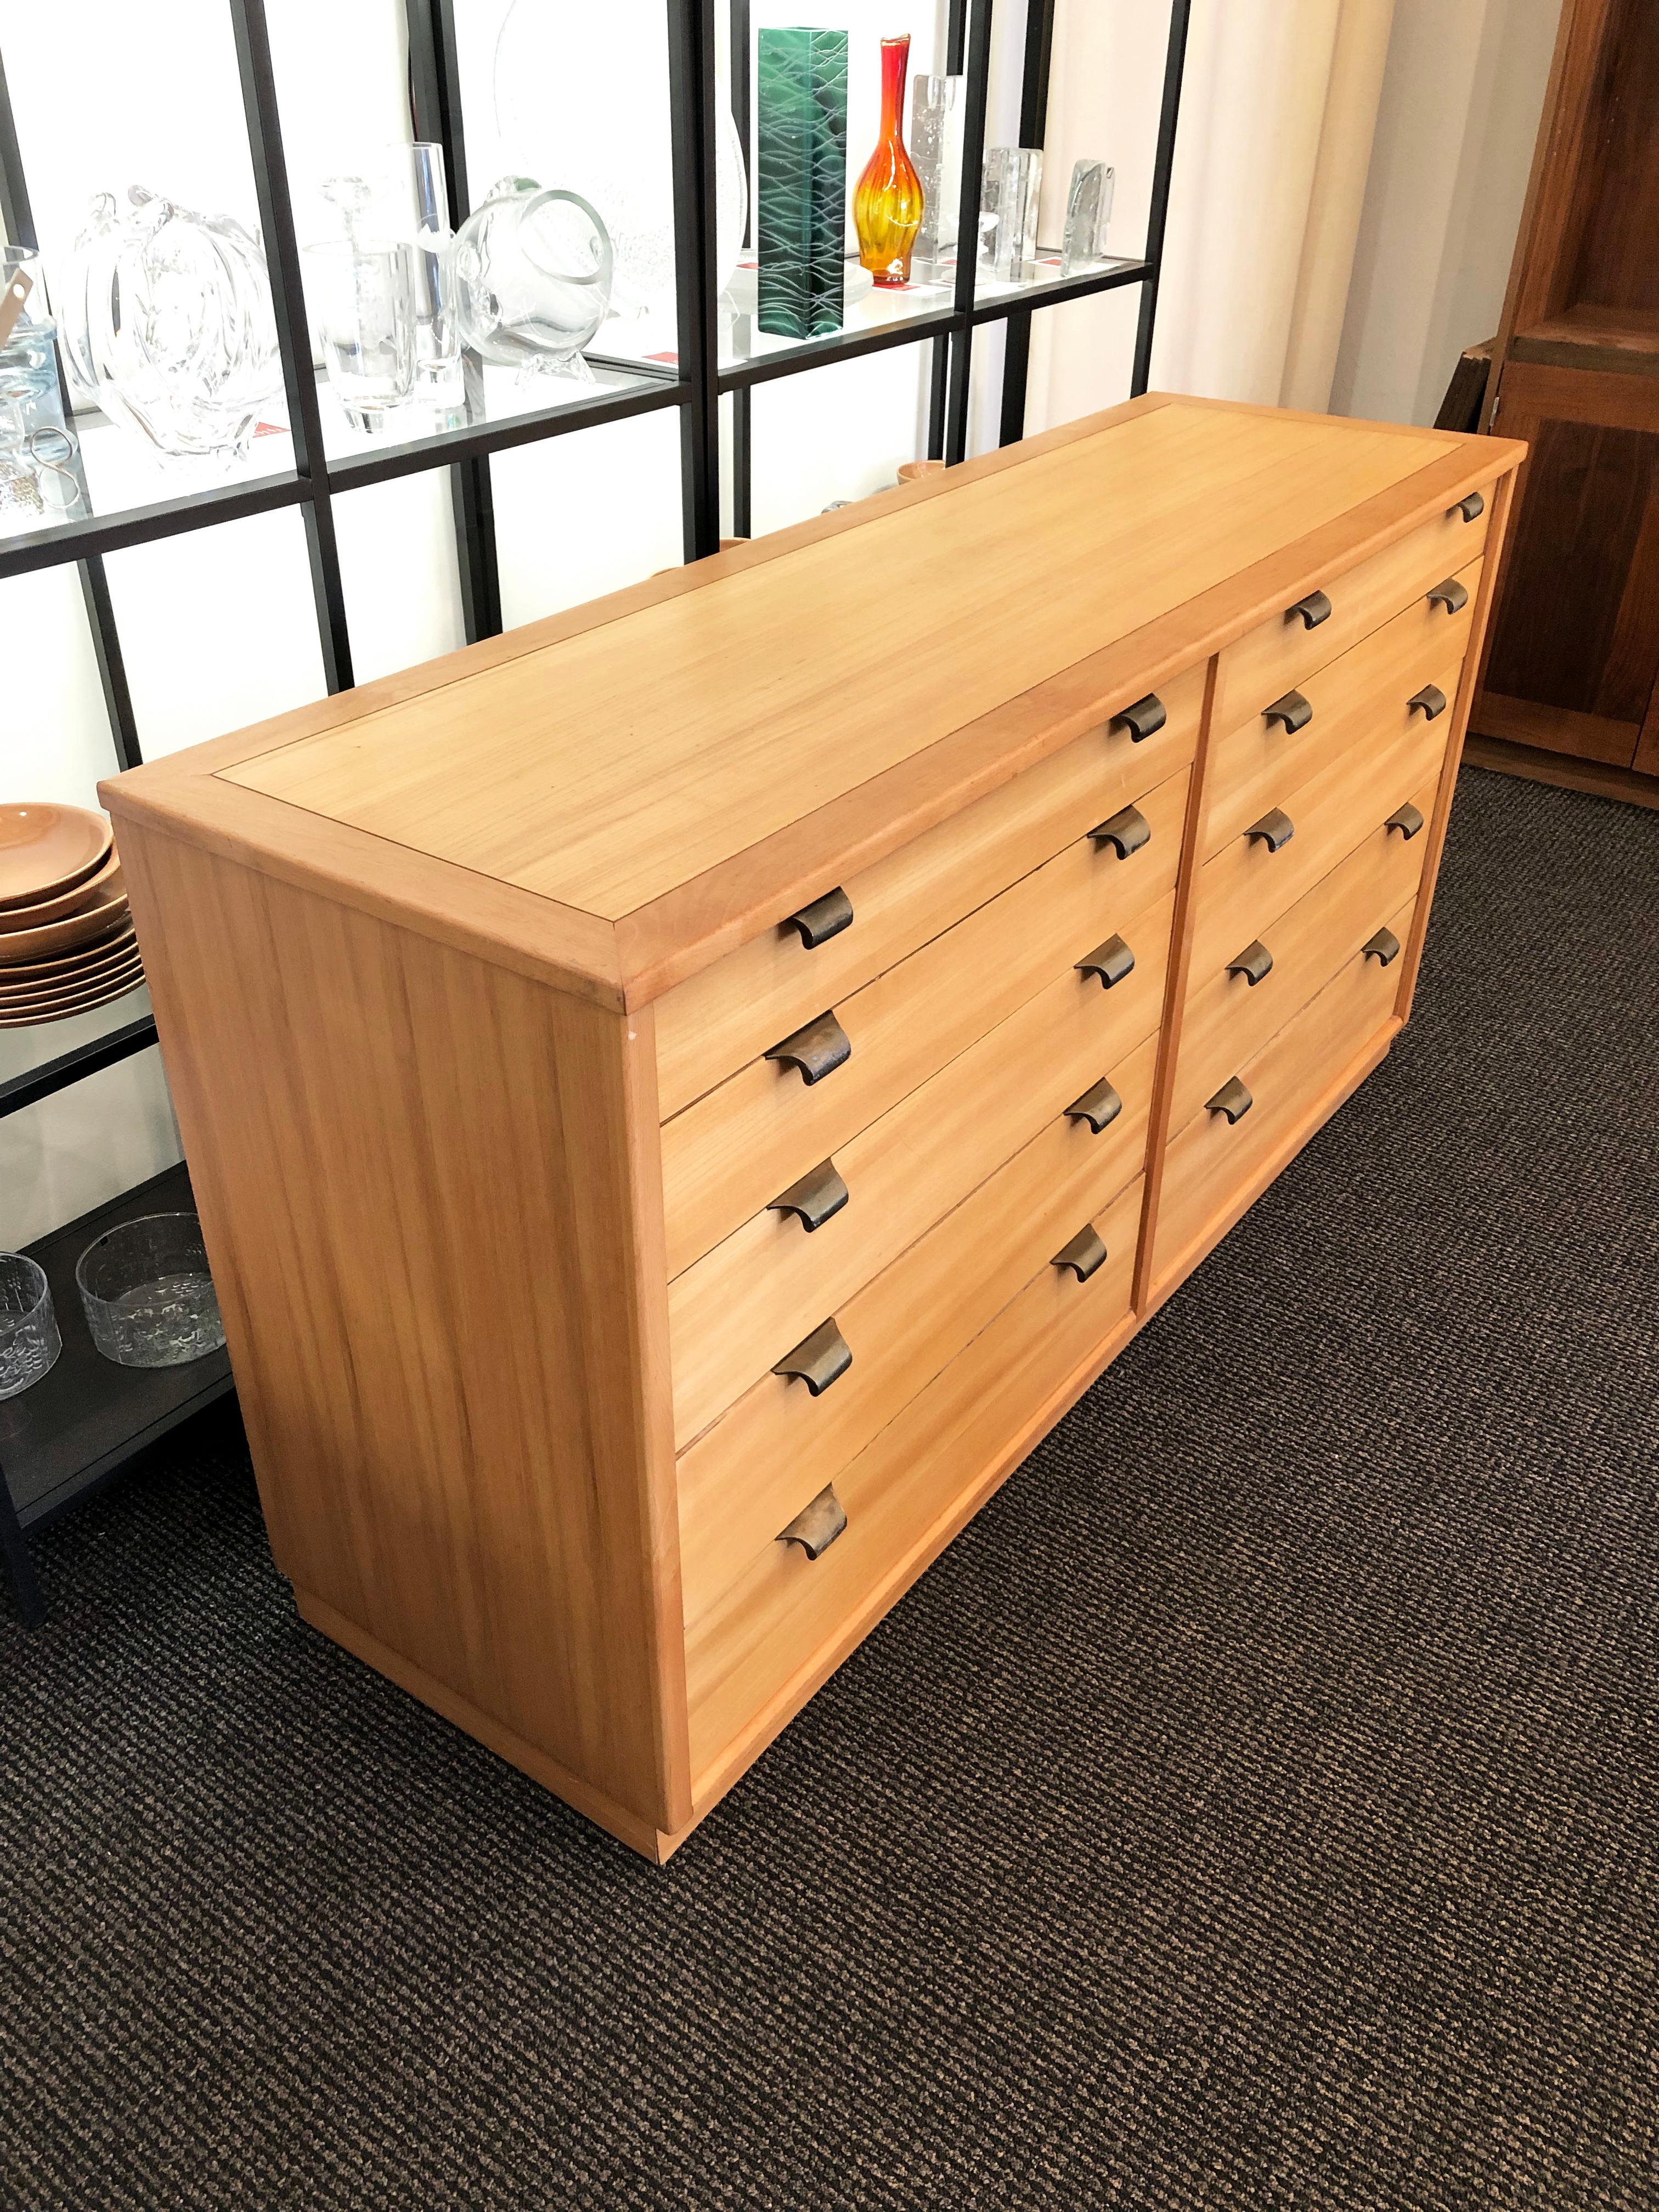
{"x": 1575, "y": 650}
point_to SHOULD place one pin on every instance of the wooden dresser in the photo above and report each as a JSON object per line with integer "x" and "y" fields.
{"x": 681, "y": 1098}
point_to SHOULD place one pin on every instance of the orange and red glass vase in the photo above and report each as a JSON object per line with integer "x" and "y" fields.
{"x": 887, "y": 200}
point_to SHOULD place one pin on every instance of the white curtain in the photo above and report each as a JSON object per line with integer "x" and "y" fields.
{"x": 1278, "y": 114}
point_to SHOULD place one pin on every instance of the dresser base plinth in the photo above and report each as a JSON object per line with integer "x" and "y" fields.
{"x": 604, "y": 1811}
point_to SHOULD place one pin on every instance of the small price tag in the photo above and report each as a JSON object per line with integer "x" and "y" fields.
{"x": 11, "y": 307}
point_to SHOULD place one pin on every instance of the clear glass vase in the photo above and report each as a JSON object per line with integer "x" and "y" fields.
{"x": 531, "y": 274}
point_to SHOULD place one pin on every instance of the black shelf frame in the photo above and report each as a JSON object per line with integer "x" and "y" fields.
{"x": 696, "y": 386}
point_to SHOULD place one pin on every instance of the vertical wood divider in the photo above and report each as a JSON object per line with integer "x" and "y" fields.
{"x": 1469, "y": 684}
{"x": 1174, "y": 995}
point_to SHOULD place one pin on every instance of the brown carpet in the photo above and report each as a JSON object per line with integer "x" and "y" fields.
{"x": 1258, "y": 1807}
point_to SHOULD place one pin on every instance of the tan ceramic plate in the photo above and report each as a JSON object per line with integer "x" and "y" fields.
{"x": 47, "y": 849}
{"x": 62, "y": 1013}
{"x": 69, "y": 967}
{"x": 70, "y": 1001}
{"x": 63, "y": 936}
{"x": 98, "y": 889}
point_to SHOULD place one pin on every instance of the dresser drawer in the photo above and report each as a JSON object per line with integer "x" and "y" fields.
{"x": 716, "y": 1022}
{"x": 1212, "y": 1160}
{"x": 726, "y": 1156}
{"x": 785, "y": 1612}
{"x": 735, "y": 1314}
{"x": 1261, "y": 764}
{"x": 1243, "y": 890}
{"x": 1228, "y": 1018}
{"x": 773, "y": 1451}
{"x": 1278, "y": 654}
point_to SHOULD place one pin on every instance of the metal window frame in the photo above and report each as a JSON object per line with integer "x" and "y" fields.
{"x": 696, "y": 386}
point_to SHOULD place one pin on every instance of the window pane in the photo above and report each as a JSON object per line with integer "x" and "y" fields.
{"x": 218, "y": 629}
{"x": 403, "y": 586}
{"x": 57, "y": 741}
{"x": 86, "y": 1144}
{"x": 837, "y": 433}
{"x": 586, "y": 513}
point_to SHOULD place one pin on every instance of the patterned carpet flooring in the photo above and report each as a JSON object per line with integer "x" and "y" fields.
{"x": 1257, "y": 1806}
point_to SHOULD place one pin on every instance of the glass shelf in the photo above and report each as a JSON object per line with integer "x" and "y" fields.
{"x": 131, "y": 492}
{"x": 418, "y": 435}
{"x": 1043, "y": 284}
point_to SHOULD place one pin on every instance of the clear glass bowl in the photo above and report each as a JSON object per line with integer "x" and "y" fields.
{"x": 29, "y": 1342}
{"x": 148, "y": 1293}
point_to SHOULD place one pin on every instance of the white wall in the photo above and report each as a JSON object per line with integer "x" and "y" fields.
{"x": 1461, "y": 98}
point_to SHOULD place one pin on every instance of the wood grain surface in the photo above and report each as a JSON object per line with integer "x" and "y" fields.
{"x": 429, "y": 1192}
{"x": 619, "y": 764}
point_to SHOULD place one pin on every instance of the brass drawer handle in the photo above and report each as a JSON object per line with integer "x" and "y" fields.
{"x": 1275, "y": 829}
{"x": 1406, "y": 819}
{"x": 1451, "y": 595}
{"x": 1314, "y": 610}
{"x": 819, "y": 1359}
{"x": 1432, "y": 700}
{"x": 1099, "y": 1107}
{"x": 1143, "y": 719}
{"x": 1383, "y": 947}
{"x": 817, "y": 1526}
{"x": 1125, "y": 832}
{"x": 1084, "y": 1256}
{"x": 1292, "y": 710}
{"x": 1232, "y": 1099}
{"x": 817, "y": 1198}
{"x": 817, "y": 1050}
{"x": 1471, "y": 509}
{"x": 1111, "y": 962}
{"x": 1253, "y": 962}
{"x": 824, "y": 918}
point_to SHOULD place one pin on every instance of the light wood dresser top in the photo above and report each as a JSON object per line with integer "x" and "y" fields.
{"x": 623, "y": 793}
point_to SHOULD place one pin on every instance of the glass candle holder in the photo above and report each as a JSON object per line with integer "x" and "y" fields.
{"x": 29, "y": 1342}
{"x": 361, "y": 293}
{"x": 148, "y": 1293}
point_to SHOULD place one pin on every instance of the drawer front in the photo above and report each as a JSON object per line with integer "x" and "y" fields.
{"x": 1228, "y": 1019}
{"x": 1211, "y": 1160}
{"x": 1243, "y": 890}
{"x": 773, "y": 1451}
{"x": 1260, "y": 764}
{"x": 785, "y": 1609}
{"x": 770, "y": 1284}
{"x": 726, "y": 1156}
{"x": 1275, "y": 657}
{"x": 716, "y": 1022}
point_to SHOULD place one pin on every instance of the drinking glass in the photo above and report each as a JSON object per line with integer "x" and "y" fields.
{"x": 361, "y": 293}
{"x": 148, "y": 1294}
{"x": 29, "y": 1341}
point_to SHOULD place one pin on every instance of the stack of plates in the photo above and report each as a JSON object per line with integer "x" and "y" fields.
{"x": 66, "y": 938}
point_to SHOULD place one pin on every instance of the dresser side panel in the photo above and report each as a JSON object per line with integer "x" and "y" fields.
{"x": 429, "y": 1189}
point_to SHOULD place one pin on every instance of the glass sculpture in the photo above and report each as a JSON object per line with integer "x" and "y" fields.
{"x": 887, "y": 199}
{"x": 1008, "y": 211}
{"x": 801, "y": 180}
{"x": 936, "y": 149}
{"x": 169, "y": 323}
{"x": 1088, "y": 216}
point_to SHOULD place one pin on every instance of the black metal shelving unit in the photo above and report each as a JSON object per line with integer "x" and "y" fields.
{"x": 695, "y": 386}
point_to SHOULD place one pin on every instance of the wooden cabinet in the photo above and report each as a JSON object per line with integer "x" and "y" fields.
{"x": 681, "y": 1096}
{"x": 1573, "y": 666}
